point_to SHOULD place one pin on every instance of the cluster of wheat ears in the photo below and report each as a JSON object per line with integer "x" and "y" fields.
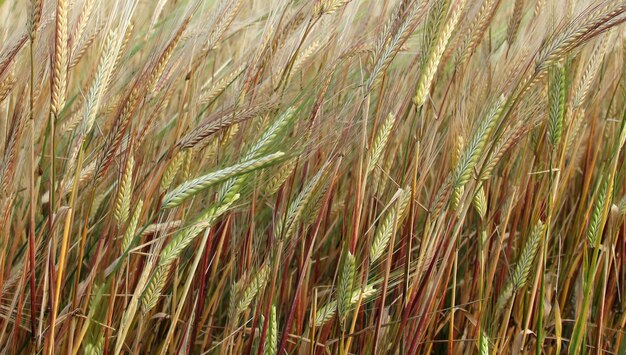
{"x": 312, "y": 177}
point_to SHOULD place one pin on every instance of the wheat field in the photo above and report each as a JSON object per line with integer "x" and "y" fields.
{"x": 312, "y": 177}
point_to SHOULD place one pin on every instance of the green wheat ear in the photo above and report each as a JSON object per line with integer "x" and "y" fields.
{"x": 233, "y": 294}
{"x": 285, "y": 227}
{"x": 436, "y": 47}
{"x": 269, "y": 138}
{"x": 132, "y": 226}
{"x": 432, "y": 28}
{"x": 280, "y": 176}
{"x": 480, "y": 202}
{"x": 346, "y": 284}
{"x": 193, "y": 187}
{"x": 253, "y": 288}
{"x": 95, "y": 348}
{"x": 314, "y": 205}
{"x": 556, "y": 95}
{"x": 271, "y": 337}
{"x": 386, "y": 228}
{"x": 525, "y": 261}
{"x": 328, "y": 311}
{"x": 174, "y": 248}
{"x": 380, "y": 143}
{"x": 483, "y": 348}
{"x": 171, "y": 171}
{"x": 596, "y": 217}
{"x": 457, "y": 193}
{"x": 122, "y": 201}
{"x": 519, "y": 277}
{"x": 475, "y": 147}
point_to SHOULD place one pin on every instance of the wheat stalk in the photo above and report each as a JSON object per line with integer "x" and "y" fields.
{"x": 220, "y": 121}
{"x": 387, "y": 48}
{"x": 100, "y": 82}
{"x": 220, "y": 85}
{"x": 573, "y": 35}
{"x": 166, "y": 55}
{"x": 7, "y": 85}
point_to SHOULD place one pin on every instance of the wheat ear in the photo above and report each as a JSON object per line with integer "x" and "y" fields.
{"x": 191, "y": 188}
{"x": 556, "y": 95}
{"x": 122, "y": 201}
{"x": 132, "y": 226}
{"x": 345, "y": 285}
{"x": 522, "y": 268}
{"x": 380, "y": 142}
{"x": 172, "y": 250}
{"x": 59, "y": 69}
{"x": 476, "y": 145}
{"x": 271, "y": 339}
{"x": 387, "y": 226}
{"x": 327, "y": 312}
{"x": 253, "y": 288}
{"x": 429, "y": 68}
